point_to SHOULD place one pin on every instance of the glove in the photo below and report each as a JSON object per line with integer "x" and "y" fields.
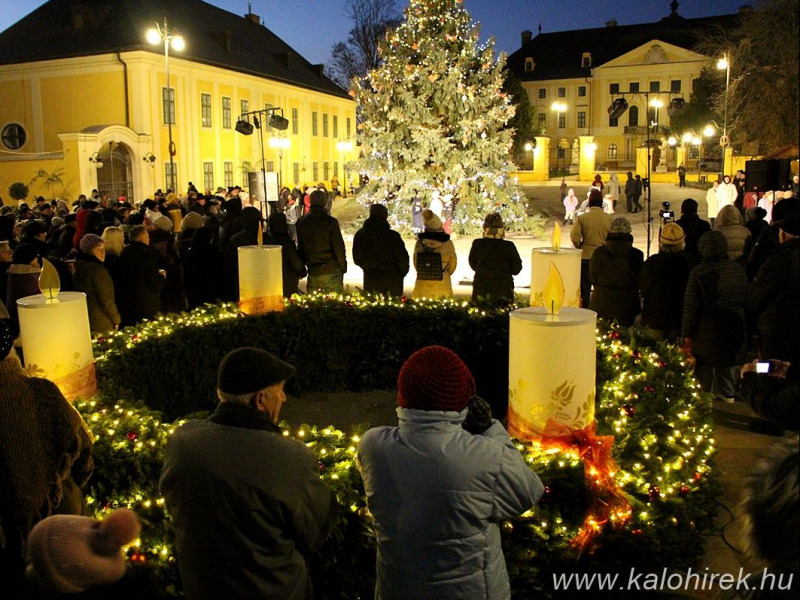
{"x": 479, "y": 415}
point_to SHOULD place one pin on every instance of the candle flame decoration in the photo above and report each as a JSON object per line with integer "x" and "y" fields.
{"x": 556, "y": 239}
{"x": 49, "y": 281}
{"x": 553, "y": 291}
{"x": 260, "y": 235}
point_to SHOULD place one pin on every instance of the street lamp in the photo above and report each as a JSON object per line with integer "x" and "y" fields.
{"x": 155, "y": 36}
{"x": 560, "y": 108}
{"x": 529, "y": 146}
{"x": 725, "y": 63}
{"x": 345, "y": 147}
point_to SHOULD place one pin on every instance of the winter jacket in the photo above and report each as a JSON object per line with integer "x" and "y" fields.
{"x": 495, "y": 262}
{"x": 729, "y": 224}
{"x": 137, "y": 283}
{"x": 693, "y": 228}
{"x": 438, "y": 495}
{"x": 775, "y": 399}
{"x": 23, "y": 281}
{"x": 203, "y": 274}
{"x": 247, "y": 506}
{"x": 381, "y": 253}
{"x": 614, "y": 272}
{"x": 662, "y": 283}
{"x": 590, "y": 231}
{"x": 712, "y": 202}
{"x": 439, "y": 242}
{"x": 92, "y": 278}
{"x": 320, "y": 243}
{"x": 293, "y": 269}
{"x": 713, "y": 311}
{"x": 774, "y": 298}
{"x": 726, "y": 195}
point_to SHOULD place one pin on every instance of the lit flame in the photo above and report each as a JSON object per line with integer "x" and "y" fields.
{"x": 553, "y": 290}
{"x": 49, "y": 281}
{"x": 556, "y": 239}
{"x": 260, "y": 235}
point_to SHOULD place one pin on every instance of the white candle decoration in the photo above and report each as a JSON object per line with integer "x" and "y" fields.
{"x": 57, "y": 342}
{"x": 260, "y": 279}
{"x": 568, "y": 263}
{"x": 551, "y": 370}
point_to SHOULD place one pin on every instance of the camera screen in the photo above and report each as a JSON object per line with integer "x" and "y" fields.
{"x": 762, "y": 367}
{"x": 667, "y": 214}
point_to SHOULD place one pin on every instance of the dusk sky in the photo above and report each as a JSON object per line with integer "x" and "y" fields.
{"x": 313, "y": 26}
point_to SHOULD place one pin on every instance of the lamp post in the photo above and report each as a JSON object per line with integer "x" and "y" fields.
{"x": 345, "y": 147}
{"x": 529, "y": 146}
{"x": 155, "y": 36}
{"x": 725, "y": 63}
{"x": 560, "y": 108}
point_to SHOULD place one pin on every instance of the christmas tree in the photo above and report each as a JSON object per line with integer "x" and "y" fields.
{"x": 433, "y": 119}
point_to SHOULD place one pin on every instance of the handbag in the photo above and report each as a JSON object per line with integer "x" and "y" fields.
{"x": 429, "y": 266}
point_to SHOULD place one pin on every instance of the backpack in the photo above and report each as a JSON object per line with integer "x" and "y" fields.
{"x": 429, "y": 266}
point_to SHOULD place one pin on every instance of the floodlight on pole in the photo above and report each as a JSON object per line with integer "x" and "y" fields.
{"x": 157, "y": 35}
{"x": 274, "y": 117}
{"x": 724, "y": 141}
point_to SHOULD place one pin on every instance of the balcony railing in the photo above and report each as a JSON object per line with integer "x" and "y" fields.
{"x": 642, "y": 130}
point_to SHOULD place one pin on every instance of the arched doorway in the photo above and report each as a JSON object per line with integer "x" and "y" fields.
{"x": 115, "y": 177}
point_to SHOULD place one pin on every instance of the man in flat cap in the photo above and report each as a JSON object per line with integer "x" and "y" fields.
{"x": 247, "y": 503}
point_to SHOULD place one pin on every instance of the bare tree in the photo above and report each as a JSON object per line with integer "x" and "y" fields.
{"x": 358, "y": 55}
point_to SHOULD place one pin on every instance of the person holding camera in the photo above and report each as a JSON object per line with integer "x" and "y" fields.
{"x": 770, "y": 388}
{"x": 440, "y": 484}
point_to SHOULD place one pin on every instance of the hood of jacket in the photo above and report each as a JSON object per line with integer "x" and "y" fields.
{"x": 433, "y": 239}
{"x": 729, "y": 215}
{"x": 430, "y": 421}
{"x": 619, "y": 243}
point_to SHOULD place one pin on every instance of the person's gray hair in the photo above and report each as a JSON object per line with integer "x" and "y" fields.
{"x": 672, "y": 248}
{"x": 235, "y": 398}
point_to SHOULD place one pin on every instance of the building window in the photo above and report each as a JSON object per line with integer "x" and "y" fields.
{"x": 542, "y": 93}
{"x": 528, "y": 64}
{"x": 170, "y": 176}
{"x": 542, "y": 116}
{"x": 652, "y": 115}
{"x": 208, "y": 175}
{"x": 694, "y": 152}
{"x": 227, "y": 170}
{"x": 562, "y": 120}
{"x": 324, "y": 124}
{"x": 335, "y": 126}
{"x": 613, "y": 122}
{"x": 586, "y": 59}
{"x": 655, "y": 86}
{"x": 347, "y": 128}
{"x": 633, "y": 87}
{"x": 581, "y": 91}
{"x": 633, "y": 116}
{"x": 244, "y": 105}
{"x": 205, "y": 110}
{"x": 314, "y": 130}
{"x": 675, "y": 85}
{"x": 270, "y": 166}
{"x": 226, "y": 113}
{"x": 325, "y": 171}
{"x": 14, "y": 136}
{"x": 168, "y": 105}
{"x": 295, "y": 121}
{"x": 613, "y": 88}
{"x": 561, "y": 92}
{"x": 561, "y": 152}
{"x": 296, "y": 173}
{"x": 268, "y": 108}
{"x": 246, "y": 168}
{"x": 336, "y": 170}
{"x": 581, "y": 118}
{"x": 315, "y": 171}
{"x": 612, "y": 151}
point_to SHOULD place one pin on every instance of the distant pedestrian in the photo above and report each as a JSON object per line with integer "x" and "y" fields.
{"x": 712, "y": 202}
{"x": 321, "y": 246}
{"x": 381, "y": 253}
{"x": 630, "y": 193}
{"x": 614, "y": 273}
{"x": 495, "y": 262}
{"x": 570, "y": 206}
{"x": 588, "y": 234}
{"x": 681, "y": 175}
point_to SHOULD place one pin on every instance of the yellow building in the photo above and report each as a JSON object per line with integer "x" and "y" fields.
{"x": 85, "y": 103}
{"x": 574, "y": 77}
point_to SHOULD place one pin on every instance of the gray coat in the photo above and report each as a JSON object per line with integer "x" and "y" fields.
{"x": 438, "y": 495}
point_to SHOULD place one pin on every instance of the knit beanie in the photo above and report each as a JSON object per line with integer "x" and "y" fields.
{"x": 620, "y": 225}
{"x": 434, "y": 378}
{"x": 712, "y": 244}
{"x": 68, "y": 554}
{"x": 164, "y": 223}
{"x": 192, "y": 220}
{"x": 431, "y": 221}
{"x": 249, "y": 370}
{"x": 89, "y": 242}
{"x": 790, "y": 225}
{"x": 671, "y": 234}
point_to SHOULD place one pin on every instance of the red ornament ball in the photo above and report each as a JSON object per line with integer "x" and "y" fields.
{"x": 654, "y": 493}
{"x": 321, "y": 466}
{"x": 404, "y": 299}
{"x": 684, "y": 490}
{"x": 649, "y": 389}
{"x": 614, "y": 335}
{"x": 628, "y": 409}
{"x": 132, "y": 436}
{"x": 101, "y": 339}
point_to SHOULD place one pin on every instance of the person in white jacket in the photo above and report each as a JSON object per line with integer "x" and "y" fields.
{"x": 726, "y": 192}
{"x": 712, "y": 202}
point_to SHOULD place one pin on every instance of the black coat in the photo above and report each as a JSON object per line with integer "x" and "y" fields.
{"x": 293, "y": 269}
{"x": 662, "y": 283}
{"x": 320, "y": 243}
{"x": 202, "y": 274}
{"x": 495, "y": 263}
{"x": 137, "y": 283}
{"x": 382, "y": 255}
{"x": 614, "y": 272}
{"x": 693, "y": 227}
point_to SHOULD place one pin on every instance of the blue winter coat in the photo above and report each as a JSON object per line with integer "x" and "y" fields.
{"x": 438, "y": 494}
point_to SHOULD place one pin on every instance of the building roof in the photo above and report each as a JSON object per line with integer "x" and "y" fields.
{"x": 77, "y": 28}
{"x": 558, "y": 55}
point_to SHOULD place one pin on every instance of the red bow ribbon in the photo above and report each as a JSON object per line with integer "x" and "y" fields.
{"x": 607, "y": 500}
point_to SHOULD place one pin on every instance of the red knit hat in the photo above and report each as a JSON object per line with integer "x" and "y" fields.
{"x": 435, "y": 378}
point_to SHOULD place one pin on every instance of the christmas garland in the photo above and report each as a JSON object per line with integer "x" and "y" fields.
{"x": 646, "y": 399}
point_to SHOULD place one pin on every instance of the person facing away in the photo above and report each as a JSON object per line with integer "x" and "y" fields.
{"x": 588, "y": 234}
{"x": 662, "y": 284}
{"x": 614, "y": 272}
{"x": 729, "y": 223}
{"x": 320, "y": 243}
{"x": 247, "y": 504}
{"x": 693, "y": 227}
{"x": 713, "y": 320}
{"x": 381, "y": 253}
{"x": 630, "y": 193}
{"x": 293, "y": 269}
{"x": 495, "y": 262}
{"x": 137, "y": 280}
{"x": 440, "y": 483}
{"x": 434, "y": 239}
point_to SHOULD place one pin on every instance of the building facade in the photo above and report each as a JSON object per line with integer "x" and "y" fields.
{"x": 86, "y": 103}
{"x": 574, "y": 77}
